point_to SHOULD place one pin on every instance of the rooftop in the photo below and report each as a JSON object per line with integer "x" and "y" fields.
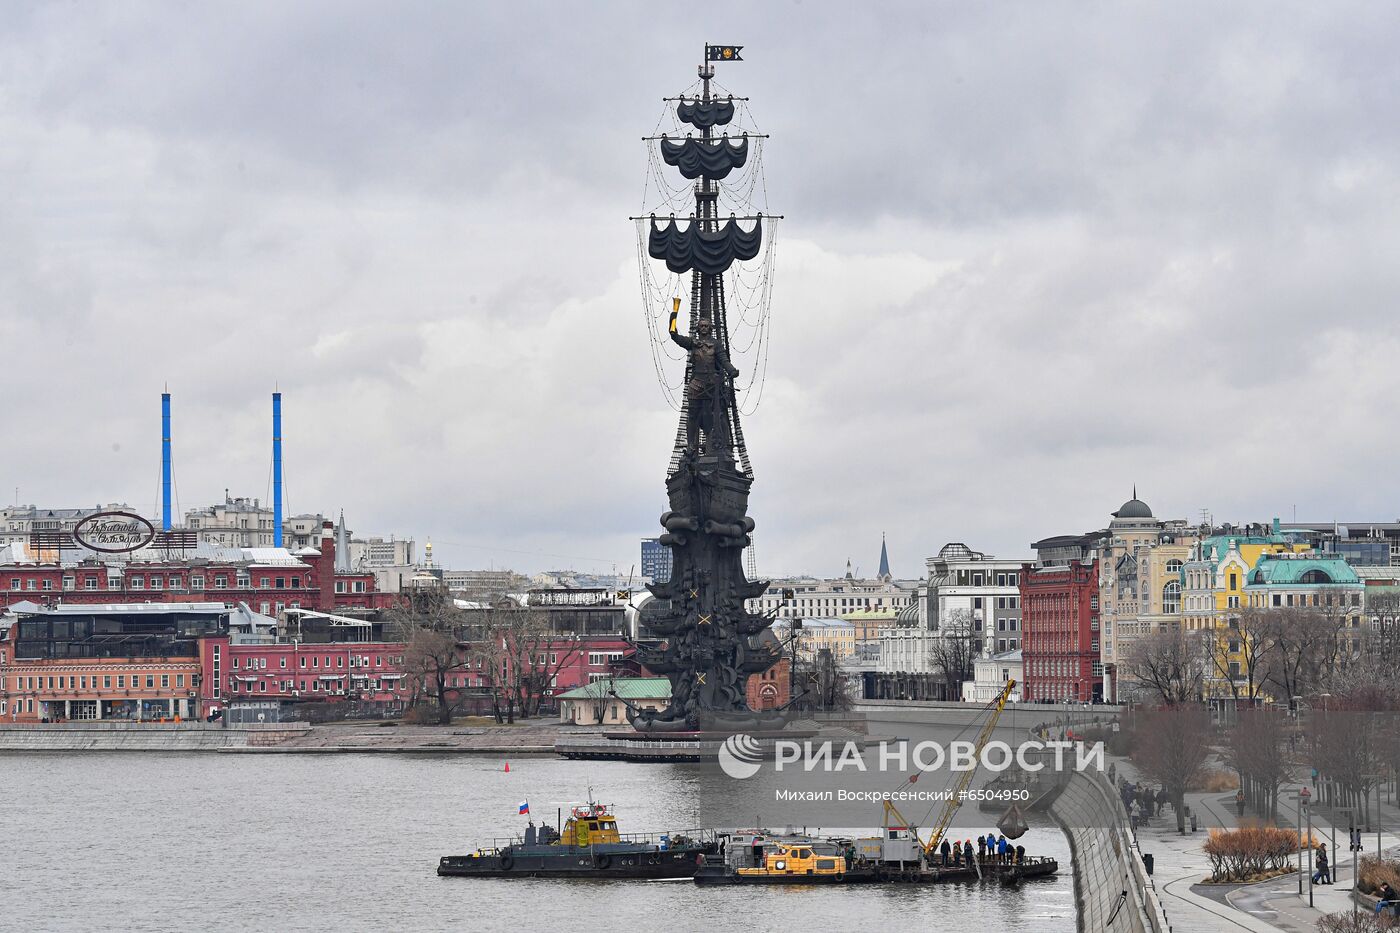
{"x": 629, "y": 688}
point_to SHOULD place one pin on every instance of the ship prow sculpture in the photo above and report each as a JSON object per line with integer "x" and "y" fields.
{"x": 698, "y": 632}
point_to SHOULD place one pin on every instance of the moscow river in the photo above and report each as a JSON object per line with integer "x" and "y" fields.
{"x": 183, "y": 841}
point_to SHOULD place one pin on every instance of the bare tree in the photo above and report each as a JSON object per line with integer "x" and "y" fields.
{"x": 1258, "y": 749}
{"x": 954, "y": 651}
{"x": 434, "y": 659}
{"x": 820, "y": 684}
{"x": 1238, "y": 654}
{"x": 1171, "y": 664}
{"x": 534, "y": 655}
{"x": 1383, "y": 630}
{"x": 1305, "y": 647}
{"x": 1171, "y": 746}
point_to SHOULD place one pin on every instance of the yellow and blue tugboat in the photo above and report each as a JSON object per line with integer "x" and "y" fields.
{"x": 588, "y": 846}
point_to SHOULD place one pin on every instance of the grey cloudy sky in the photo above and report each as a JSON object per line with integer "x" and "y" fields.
{"x": 1035, "y": 252}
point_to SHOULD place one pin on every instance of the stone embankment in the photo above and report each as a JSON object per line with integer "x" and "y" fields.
{"x": 527, "y": 738}
{"x": 1111, "y": 886}
{"x": 142, "y": 737}
{"x": 282, "y": 738}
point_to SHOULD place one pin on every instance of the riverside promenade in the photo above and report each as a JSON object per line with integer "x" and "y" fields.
{"x": 1181, "y": 865}
{"x": 530, "y": 737}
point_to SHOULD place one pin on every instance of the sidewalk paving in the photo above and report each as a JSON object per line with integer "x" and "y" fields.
{"x": 1180, "y": 864}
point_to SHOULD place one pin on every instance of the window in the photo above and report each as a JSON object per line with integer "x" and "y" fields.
{"x": 165, "y": 681}
{"x": 179, "y": 680}
{"x": 138, "y": 583}
{"x": 340, "y": 586}
{"x": 69, "y": 583}
{"x": 48, "y": 584}
{"x": 89, "y": 583}
{"x": 121, "y": 681}
{"x": 359, "y": 586}
{"x": 150, "y": 681}
{"x": 303, "y": 662}
{"x": 1171, "y": 598}
{"x": 107, "y": 682}
{"x": 262, "y": 582}
{"x": 220, "y": 582}
{"x": 282, "y": 663}
{"x": 281, "y": 583}
{"x": 14, "y": 583}
{"x": 157, "y": 583}
{"x": 196, "y": 583}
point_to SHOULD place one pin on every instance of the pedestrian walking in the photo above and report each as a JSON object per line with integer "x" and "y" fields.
{"x": 1323, "y": 874}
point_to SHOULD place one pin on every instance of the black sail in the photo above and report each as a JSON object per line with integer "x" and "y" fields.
{"x": 714, "y": 159}
{"x": 705, "y": 113}
{"x": 705, "y": 252}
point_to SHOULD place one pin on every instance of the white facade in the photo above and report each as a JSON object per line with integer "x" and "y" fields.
{"x": 967, "y": 584}
{"x": 243, "y": 522}
{"x": 990, "y": 676}
{"x": 832, "y": 599}
{"x": 908, "y": 651}
{"x": 18, "y": 522}
{"x": 369, "y": 552}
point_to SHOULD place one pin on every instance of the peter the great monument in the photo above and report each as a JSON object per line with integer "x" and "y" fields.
{"x": 697, "y": 631}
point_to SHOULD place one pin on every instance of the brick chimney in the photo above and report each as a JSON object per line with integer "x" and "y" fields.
{"x": 325, "y": 568}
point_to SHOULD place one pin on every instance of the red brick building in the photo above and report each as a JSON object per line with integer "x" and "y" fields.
{"x": 267, "y": 579}
{"x": 1060, "y": 621}
{"x": 771, "y": 689}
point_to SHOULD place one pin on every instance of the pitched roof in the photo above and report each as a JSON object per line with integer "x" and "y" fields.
{"x": 1291, "y": 570}
{"x": 629, "y": 688}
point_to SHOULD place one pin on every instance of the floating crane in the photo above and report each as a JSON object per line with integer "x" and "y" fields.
{"x": 959, "y": 791}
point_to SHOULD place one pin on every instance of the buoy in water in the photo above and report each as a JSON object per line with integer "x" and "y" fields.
{"x": 507, "y": 767}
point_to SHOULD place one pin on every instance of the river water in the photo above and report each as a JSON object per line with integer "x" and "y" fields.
{"x": 186, "y": 841}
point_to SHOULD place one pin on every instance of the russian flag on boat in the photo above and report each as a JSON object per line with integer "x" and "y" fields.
{"x": 525, "y": 807}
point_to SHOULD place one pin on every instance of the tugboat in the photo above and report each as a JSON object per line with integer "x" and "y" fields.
{"x": 589, "y": 846}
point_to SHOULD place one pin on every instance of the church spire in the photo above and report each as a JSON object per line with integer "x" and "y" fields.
{"x": 342, "y": 546}
{"x": 884, "y": 559}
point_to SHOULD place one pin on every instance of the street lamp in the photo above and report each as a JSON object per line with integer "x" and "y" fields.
{"x": 1303, "y": 797}
{"x": 1308, "y": 810}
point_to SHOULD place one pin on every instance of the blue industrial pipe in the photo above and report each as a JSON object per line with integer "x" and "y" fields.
{"x": 165, "y": 461}
{"x": 277, "y": 469}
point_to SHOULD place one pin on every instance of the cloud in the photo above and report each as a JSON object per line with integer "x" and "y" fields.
{"x": 1033, "y": 254}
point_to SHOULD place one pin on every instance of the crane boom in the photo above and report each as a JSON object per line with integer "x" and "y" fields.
{"x": 959, "y": 793}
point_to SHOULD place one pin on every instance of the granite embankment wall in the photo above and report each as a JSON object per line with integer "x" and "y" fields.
{"x": 1111, "y": 885}
{"x": 141, "y": 737}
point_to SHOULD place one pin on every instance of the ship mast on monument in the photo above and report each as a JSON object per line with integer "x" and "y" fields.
{"x": 718, "y": 278}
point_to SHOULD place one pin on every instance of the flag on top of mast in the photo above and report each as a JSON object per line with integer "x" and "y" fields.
{"x": 723, "y": 53}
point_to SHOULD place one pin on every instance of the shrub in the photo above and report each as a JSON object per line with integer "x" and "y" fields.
{"x": 1373, "y": 873}
{"x": 1249, "y": 853}
{"x": 1216, "y": 782}
{"x": 1349, "y": 922}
